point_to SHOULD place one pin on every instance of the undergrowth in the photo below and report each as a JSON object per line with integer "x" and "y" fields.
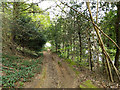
{"x": 18, "y": 70}
{"x": 88, "y": 84}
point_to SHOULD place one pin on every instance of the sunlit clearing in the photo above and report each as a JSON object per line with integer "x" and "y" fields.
{"x": 47, "y": 44}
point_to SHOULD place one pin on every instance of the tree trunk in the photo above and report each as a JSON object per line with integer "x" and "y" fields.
{"x": 79, "y": 35}
{"x": 15, "y": 17}
{"x": 90, "y": 51}
{"x": 117, "y": 36}
{"x": 56, "y": 46}
{"x": 13, "y": 32}
{"x": 90, "y": 54}
{"x": 80, "y": 42}
{"x": 68, "y": 51}
{"x": 101, "y": 44}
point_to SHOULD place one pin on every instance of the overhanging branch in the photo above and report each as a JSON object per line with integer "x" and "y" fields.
{"x": 93, "y": 24}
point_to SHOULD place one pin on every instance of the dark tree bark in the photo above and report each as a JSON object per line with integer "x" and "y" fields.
{"x": 80, "y": 42}
{"x": 56, "y": 45}
{"x": 80, "y": 45}
{"x": 90, "y": 51}
{"x": 90, "y": 58}
{"x": 117, "y": 35}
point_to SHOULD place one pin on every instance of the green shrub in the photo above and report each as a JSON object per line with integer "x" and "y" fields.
{"x": 28, "y": 35}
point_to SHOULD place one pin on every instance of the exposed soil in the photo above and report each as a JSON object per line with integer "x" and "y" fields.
{"x": 58, "y": 74}
{"x": 55, "y": 74}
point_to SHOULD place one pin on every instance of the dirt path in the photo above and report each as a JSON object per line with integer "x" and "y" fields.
{"x": 55, "y": 74}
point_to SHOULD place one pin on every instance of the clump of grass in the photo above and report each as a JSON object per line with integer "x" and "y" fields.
{"x": 59, "y": 63}
{"x": 77, "y": 72}
{"x": 87, "y": 84}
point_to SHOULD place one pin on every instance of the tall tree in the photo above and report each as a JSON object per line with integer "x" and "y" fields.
{"x": 117, "y": 35}
{"x": 79, "y": 36}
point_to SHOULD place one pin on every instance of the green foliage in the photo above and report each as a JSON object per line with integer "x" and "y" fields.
{"x": 62, "y": 55}
{"x": 87, "y": 84}
{"x": 59, "y": 63}
{"x": 83, "y": 63}
{"x": 70, "y": 62}
{"x": 108, "y": 26}
{"x": 19, "y": 69}
{"x": 27, "y": 35}
{"x": 21, "y": 83}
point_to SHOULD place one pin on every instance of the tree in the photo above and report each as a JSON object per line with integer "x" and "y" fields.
{"x": 117, "y": 28}
{"x": 25, "y": 27}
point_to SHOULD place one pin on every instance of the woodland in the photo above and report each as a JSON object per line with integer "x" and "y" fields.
{"x": 84, "y": 46}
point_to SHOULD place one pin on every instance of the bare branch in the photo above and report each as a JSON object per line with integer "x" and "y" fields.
{"x": 93, "y": 24}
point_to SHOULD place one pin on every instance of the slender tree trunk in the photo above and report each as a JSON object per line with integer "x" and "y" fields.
{"x": 71, "y": 47}
{"x": 56, "y": 46}
{"x": 117, "y": 36}
{"x": 80, "y": 45}
{"x": 90, "y": 57}
{"x": 63, "y": 45}
{"x": 63, "y": 51}
{"x": 103, "y": 59}
{"x": 68, "y": 50}
{"x": 90, "y": 51}
{"x": 96, "y": 42}
{"x": 73, "y": 43}
{"x": 101, "y": 44}
{"x": 103, "y": 63}
{"x": 80, "y": 42}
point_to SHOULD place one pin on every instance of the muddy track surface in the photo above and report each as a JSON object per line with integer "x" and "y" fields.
{"x": 55, "y": 74}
